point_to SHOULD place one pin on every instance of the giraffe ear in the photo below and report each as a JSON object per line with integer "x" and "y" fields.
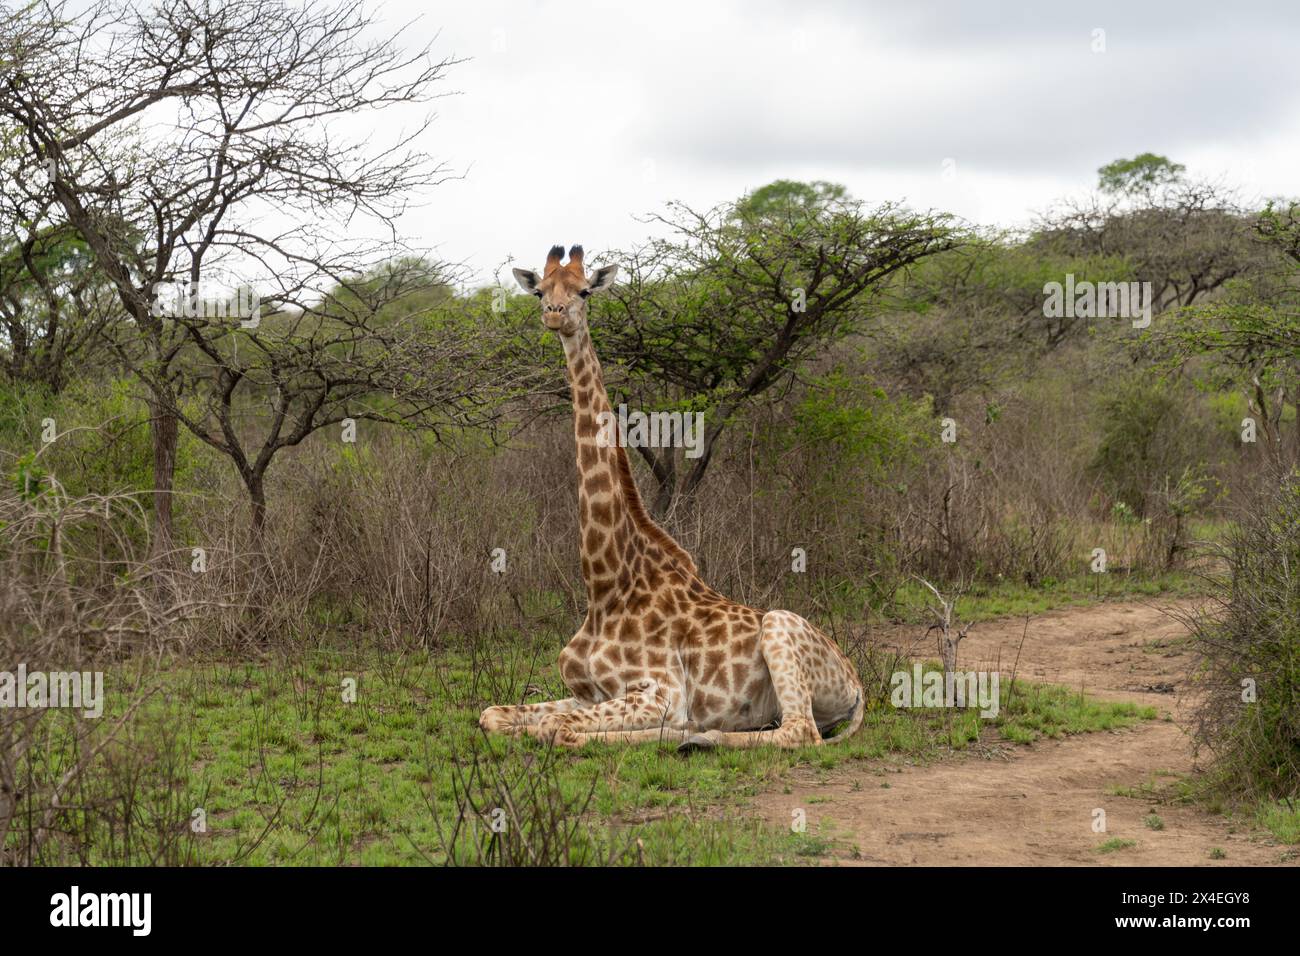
{"x": 602, "y": 279}
{"x": 527, "y": 280}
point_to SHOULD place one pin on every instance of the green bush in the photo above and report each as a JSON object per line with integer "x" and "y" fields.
{"x": 103, "y": 444}
{"x": 1150, "y": 435}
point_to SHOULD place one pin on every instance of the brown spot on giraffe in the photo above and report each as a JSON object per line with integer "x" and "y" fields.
{"x": 660, "y": 654}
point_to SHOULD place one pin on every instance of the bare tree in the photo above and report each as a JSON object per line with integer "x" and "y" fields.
{"x": 950, "y": 636}
{"x": 373, "y": 350}
{"x": 202, "y": 142}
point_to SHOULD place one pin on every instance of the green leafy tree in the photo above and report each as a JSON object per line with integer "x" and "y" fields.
{"x": 54, "y": 304}
{"x": 1251, "y": 335}
{"x": 784, "y": 196}
{"x": 973, "y": 317}
{"x": 1139, "y": 175}
{"x": 724, "y": 311}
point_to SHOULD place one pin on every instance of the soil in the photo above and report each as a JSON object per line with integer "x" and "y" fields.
{"x": 1000, "y": 803}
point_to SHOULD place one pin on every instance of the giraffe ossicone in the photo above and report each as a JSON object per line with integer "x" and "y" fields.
{"x": 660, "y": 655}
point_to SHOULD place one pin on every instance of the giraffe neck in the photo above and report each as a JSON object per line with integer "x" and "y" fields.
{"x": 613, "y": 525}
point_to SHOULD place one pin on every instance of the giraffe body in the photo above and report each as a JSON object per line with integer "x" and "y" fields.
{"x": 660, "y": 654}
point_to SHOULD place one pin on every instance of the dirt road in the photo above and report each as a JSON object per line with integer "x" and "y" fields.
{"x": 1007, "y": 804}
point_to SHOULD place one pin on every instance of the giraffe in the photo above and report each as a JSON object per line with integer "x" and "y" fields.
{"x": 660, "y": 655}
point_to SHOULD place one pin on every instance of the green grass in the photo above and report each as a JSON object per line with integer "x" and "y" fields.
{"x": 987, "y": 601}
{"x": 1114, "y": 844}
{"x": 1142, "y": 790}
{"x": 286, "y": 772}
{"x": 1281, "y": 818}
{"x": 1040, "y": 710}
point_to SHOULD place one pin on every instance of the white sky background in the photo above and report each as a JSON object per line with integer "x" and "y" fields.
{"x": 572, "y": 118}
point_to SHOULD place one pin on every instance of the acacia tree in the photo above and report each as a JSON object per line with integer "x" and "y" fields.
{"x": 973, "y": 317}
{"x": 1186, "y": 237}
{"x": 376, "y": 348}
{"x": 1140, "y": 176}
{"x": 54, "y": 305}
{"x": 52, "y": 301}
{"x": 1252, "y": 334}
{"x": 199, "y": 141}
{"x": 723, "y": 311}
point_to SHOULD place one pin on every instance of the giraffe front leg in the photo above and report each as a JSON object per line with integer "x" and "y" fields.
{"x": 645, "y": 713}
{"x": 515, "y": 719}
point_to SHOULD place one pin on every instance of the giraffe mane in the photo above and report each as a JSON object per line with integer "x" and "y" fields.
{"x": 641, "y": 518}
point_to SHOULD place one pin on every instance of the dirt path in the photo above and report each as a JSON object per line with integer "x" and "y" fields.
{"x": 1033, "y": 805}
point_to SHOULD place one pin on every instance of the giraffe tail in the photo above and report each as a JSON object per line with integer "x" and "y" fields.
{"x": 858, "y": 709}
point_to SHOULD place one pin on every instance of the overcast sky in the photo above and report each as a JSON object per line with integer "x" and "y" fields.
{"x": 572, "y": 118}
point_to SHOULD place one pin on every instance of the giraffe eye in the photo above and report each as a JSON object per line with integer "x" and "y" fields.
{"x": 538, "y": 293}
{"x": 584, "y": 293}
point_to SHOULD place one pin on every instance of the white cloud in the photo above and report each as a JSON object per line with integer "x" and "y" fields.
{"x": 576, "y": 117}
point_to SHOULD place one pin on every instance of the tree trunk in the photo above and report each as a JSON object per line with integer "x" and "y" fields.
{"x": 711, "y": 434}
{"x": 667, "y": 492}
{"x": 257, "y": 507}
{"x": 260, "y": 624}
{"x": 163, "y": 432}
{"x": 948, "y": 652}
{"x": 664, "y": 468}
{"x": 1295, "y": 401}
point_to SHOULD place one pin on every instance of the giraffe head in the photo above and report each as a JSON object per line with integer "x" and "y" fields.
{"x": 564, "y": 289}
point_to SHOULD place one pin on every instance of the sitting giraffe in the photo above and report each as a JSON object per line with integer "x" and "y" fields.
{"x": 661, "y": 655}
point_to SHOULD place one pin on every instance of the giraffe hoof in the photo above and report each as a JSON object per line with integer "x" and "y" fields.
{"x": 705, "y": 741}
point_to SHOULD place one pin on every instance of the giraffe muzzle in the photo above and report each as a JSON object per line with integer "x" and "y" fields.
{"x": 558, "y": 320}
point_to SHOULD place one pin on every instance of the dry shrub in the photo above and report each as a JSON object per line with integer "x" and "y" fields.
{"x": 1248, "y": 645}
{"x": 73, "y": 599}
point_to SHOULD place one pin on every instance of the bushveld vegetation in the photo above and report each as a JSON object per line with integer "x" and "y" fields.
{"x": 238, "y": 518}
